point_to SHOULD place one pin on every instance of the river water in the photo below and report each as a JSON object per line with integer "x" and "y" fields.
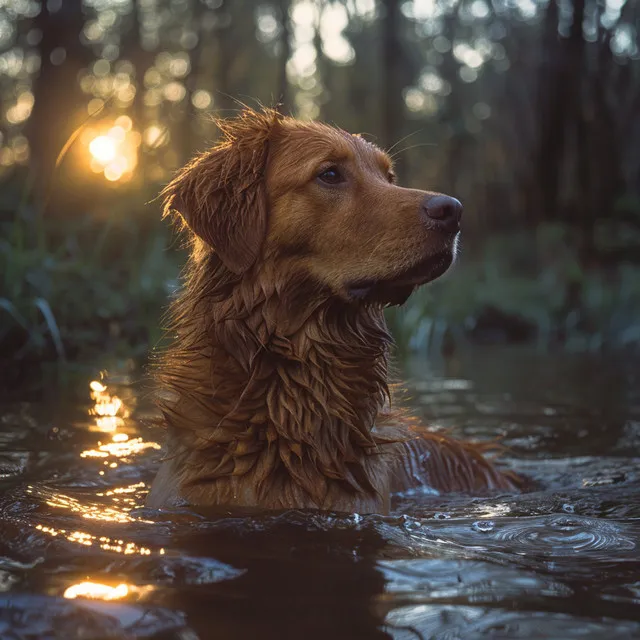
{"x": 81, "y": 558}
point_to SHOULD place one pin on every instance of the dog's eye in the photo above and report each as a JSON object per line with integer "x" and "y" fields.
{"x": 332, "y": 175}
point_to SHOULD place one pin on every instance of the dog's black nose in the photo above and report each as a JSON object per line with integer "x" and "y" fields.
{"x": 444, "y": 212}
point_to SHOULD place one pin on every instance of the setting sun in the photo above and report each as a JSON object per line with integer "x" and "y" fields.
{"x": 103, "y": 149}
{"x": 114, "y": 152}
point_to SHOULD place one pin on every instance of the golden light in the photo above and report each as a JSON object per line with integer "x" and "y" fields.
{"x": 22, "y": 109}
{"x": 120, "y": 502}
{"x": 117, "y": 133}
{"x": 108, "y": 423}
{"x": 105, "y": 403}
{"x": 116, "y": 169}
{"x": 114, "y": 153}
{"x": 179, "y": 67}
{"x": 97, "y": 591}
{"x": 174, "y": 91}
{"x": 101, "y": 591}
{"x": 201, "y": 99}
{"x": 110, "y": 413}
{"x": 109, "y": 410}
{"x": 120, "y": 449}
{"x": 103, "y": 149}
{"x": 155, "y": 136}
{"x": 94, "y": 105}
{"x": 98, "y": 512}
{"x": 124, "y": 122}
{"x": 103, "y": 542}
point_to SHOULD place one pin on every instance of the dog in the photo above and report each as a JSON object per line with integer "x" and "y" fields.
{"x": 275, "y": 389}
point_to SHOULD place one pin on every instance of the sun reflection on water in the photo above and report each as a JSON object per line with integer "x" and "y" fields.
{"x": 110, "y": 413}
{"x": 109, "y": 410}
{"x": 113, "y": 503}
{"x": 103, "y": 542}
{"x": 101, "y": 512}
{"x": 97, "y": 591}
{"x": 122, "y": 449}
{"x": 101, "y": 591}
{"x": 124, "y": 499}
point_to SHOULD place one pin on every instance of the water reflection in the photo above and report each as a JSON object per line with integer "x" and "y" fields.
{"x": 556, "y": 561}
{"x": 111, "y": 414}
{"x": 449, "y": 621}
{"x": 102, "y": 542}
{"x": 88, "y": 511}
{"x": 109, "y": 410}
{"x": 304, "y": 576}
{"x": 121, "y": 447}
{"x": 98, "y": 591}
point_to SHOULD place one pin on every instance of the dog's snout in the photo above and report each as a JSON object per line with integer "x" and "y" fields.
{"x": 443, "y": 212}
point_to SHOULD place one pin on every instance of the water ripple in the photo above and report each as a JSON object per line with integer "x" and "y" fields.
{"x": 452, "y": 623}
{"x": 560, "y": 534}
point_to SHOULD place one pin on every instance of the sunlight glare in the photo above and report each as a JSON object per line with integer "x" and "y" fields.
{"x": 115, "y": 153}
{"x": 120, "y": 449}
{"x": 105, "y": 543}
{"x": 103, "y": 149}
{"x": 97, "y": 591}
{"x": 109, "y": 410}
{"x": 124, "y": 122}
{"x": 155, "y": 136}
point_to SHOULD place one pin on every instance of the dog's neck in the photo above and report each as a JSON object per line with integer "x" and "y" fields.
{"x": 264, "y": 380}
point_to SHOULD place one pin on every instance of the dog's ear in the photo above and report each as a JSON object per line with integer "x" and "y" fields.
{"x": 221, "y": 194}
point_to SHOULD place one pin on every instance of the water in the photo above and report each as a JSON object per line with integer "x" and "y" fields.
{"x": 80, "y": 557}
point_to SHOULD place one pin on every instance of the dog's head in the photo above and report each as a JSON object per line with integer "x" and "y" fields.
{"x": 319, "y": 200}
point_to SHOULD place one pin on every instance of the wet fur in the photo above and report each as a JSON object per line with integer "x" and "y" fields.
{"x": 275, "y": 390}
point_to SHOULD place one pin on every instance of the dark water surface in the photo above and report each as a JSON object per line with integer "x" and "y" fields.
{"x": 81, "y": 558}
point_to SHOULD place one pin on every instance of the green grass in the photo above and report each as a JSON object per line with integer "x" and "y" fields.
{"x": 81, "y": 286}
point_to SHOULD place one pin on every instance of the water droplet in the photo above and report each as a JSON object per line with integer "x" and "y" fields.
{"x": 483, "y": 526}
{"x": 411, "y": 524}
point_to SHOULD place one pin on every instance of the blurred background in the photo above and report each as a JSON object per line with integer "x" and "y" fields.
{"x": 526, "y": 110}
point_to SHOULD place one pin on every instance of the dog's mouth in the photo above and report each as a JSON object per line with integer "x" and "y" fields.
{"x": 396, "y": 290}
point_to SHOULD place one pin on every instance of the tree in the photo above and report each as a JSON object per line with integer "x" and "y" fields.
{"x": 58, "y": 102}
{"x": 392, "y": 73}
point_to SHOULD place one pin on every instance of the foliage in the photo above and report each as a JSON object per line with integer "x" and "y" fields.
{"x": 518, "y": 289}
{"x": 526, "y": 111}
{"x": 92, "y": 286}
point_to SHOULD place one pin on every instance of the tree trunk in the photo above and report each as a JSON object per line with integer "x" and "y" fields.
{"x": 142, "y": 60}
{"x": 453, "y": 116}
{"x": 552, "y": 90}
{"x": 323, "y": 68}
{"x": 224, "y": 47}
{"x": 392, "y": 74}
{"x": 59, "y": 106}
{"x": 285, "y": 53}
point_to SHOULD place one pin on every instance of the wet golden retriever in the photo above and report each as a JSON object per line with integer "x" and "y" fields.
{"x": 275, "y": 388}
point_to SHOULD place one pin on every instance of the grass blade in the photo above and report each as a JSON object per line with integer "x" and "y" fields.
{"x": 52, "y": 325}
